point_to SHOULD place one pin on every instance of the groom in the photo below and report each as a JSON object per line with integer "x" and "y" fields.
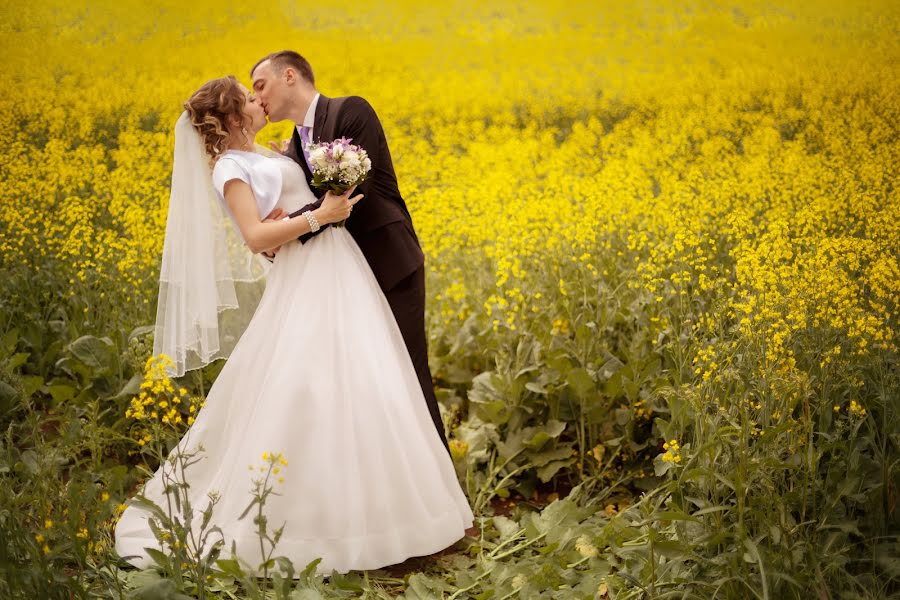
{"x": 380, "y": 224}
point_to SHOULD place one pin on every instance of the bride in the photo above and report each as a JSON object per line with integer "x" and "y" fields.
{"x": 320, "y": 374}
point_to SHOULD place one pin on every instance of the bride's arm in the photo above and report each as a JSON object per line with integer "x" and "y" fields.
{"x": 260, "y": 236}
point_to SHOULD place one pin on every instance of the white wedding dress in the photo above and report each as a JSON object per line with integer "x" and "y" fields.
{"x": 322, "y": 375}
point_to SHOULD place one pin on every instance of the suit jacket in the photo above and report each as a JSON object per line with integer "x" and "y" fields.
{"x": 380, "y": 222}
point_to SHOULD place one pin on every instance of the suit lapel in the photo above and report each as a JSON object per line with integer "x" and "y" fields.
{"x": 295, "y": 151}
{"x": 322, "y": 115}
{"x": 321, "y": 121}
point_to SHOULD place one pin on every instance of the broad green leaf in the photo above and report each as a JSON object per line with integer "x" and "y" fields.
{"x": 92, "y": 351}
{"x": 580, "y": 381}
{"x": 61, "y": 393}
{"x": 17, "y": 360}
{"x": 131, "y": 388}
{"x": 230, "y": 566}
{"x": 506, "y": 526}
{"x": 547, "y": 472}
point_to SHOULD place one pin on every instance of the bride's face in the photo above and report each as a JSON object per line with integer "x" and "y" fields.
{"x": 253, "y": 111}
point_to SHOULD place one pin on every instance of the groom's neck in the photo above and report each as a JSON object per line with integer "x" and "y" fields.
{"x": 300, "y": 105}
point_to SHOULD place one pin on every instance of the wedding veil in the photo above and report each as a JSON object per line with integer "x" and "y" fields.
{"x": 201, "y": 312}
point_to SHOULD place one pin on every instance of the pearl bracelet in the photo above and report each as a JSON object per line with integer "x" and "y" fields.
{"x": 311, "y": 219}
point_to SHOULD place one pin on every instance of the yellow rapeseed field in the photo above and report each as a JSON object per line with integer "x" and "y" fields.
{"x": 675, "y": 224}
{"x": 694, "y": 146}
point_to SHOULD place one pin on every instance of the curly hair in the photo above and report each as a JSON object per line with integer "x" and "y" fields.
{"x": 209, "y": 109}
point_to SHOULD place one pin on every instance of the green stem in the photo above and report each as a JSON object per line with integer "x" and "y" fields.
{"x": 517, "y": 548}
{"x": 474, "y": 584}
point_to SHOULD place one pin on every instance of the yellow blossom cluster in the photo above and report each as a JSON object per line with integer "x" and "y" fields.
{"x": 855, "y": 409}
{"x": 273, "y": 461}
{"x": 672, "y": 452}
{"x": 160, "y": 401}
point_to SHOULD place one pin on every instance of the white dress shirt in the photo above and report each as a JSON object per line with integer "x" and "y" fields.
{"x": 310, "y": 118}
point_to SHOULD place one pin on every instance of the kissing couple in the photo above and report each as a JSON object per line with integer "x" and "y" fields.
{"x": 332, "y": 369}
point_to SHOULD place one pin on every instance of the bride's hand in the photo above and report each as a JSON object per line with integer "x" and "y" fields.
{"x": 337, "y": 208}
{"x": 280, "y": 149}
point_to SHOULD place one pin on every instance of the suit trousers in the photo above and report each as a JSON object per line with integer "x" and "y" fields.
{"x": 407, "y": 300}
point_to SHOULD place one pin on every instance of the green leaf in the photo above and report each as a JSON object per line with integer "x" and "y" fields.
{"x": 17, "y": 360}
{"x": 674, "y": 515}
{"x": 8, "y": 395}
{"x": 162, "y": 589}
{"x": 611, "y": 367}
{"x": 132, "y": 388}
{"x": 547, "y": 472}
{"x": 9, "y": 340}
{"x": 581, "y": 382}
{"x": 537, "y": 442}
{"x": 887, "y": 556}
{"x": 670, "y": 548}
{"x": 539, "y": 459}
{"x": 92, "y": 351}
{"x": 159, "y": 557}
{"x": 506, "y": 526}
{"x": 306, "y": 594}
{"x": 61, "y": 393}
{"x": 308, "y": 574}
{"x": 533, "y": 386}
{"x": 230, "y": 566}
{"x": 140, "y": 331}
{"x": 32, "y": 383}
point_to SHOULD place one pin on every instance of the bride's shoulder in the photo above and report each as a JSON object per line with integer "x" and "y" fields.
{"x": 227, "y": 167}
{"x": 239, "y": 158}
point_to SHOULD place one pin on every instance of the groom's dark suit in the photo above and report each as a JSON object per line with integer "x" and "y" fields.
{"x": 381, "y": 225}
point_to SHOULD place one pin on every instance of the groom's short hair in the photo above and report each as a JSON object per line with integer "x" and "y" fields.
{"x": 288, "y": 58}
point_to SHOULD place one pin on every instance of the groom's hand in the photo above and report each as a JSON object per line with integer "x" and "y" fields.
{"x": 280, "y": 149}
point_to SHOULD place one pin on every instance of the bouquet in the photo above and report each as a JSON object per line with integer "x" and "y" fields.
{"x": 338, "y": 165}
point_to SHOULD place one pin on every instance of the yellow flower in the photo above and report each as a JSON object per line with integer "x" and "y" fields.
{"x": 458, "y": 449}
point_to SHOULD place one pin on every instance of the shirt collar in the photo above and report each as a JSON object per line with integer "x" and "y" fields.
{"x": 310, "y": 118}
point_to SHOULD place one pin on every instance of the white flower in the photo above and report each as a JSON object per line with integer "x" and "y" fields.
{"x": 337, "y": 152}
{"x": 318, "y": 156}
{"x": 585, "y": 547}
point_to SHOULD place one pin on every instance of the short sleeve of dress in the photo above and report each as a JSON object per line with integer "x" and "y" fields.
{"x": 225, "y": 170}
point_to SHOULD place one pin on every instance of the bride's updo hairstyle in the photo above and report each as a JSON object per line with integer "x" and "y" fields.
{"x": 210, "y": 108}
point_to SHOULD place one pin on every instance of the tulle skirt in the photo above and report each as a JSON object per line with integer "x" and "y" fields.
{"x": 321, "y": 375}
